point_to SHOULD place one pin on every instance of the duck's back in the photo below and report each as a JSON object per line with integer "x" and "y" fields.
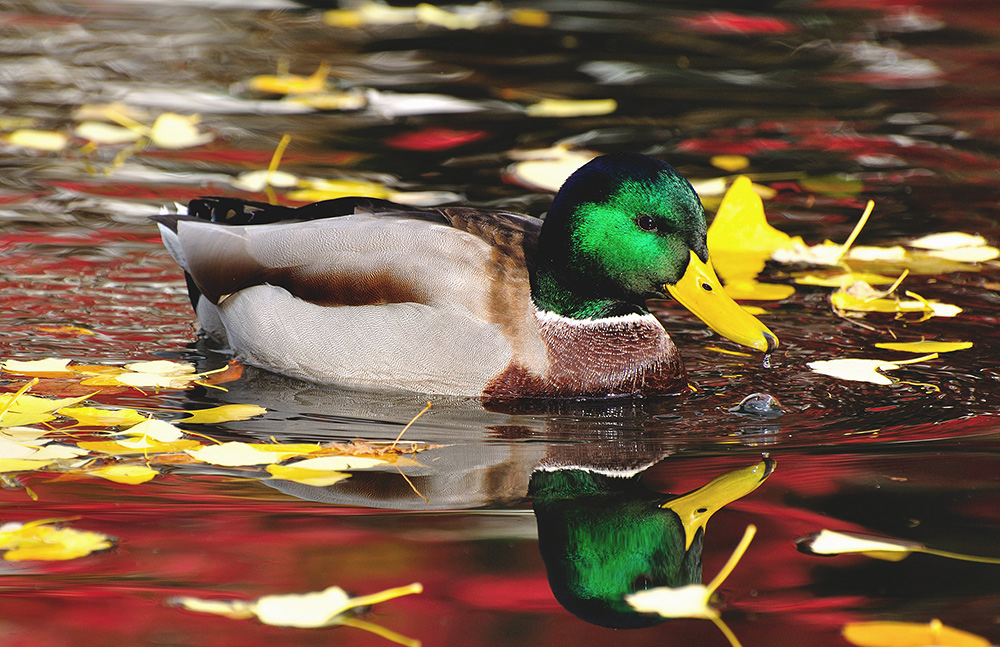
{"x": 362, "y": 292}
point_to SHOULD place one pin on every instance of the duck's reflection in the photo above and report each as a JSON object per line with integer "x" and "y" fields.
{"x": 603, "y": 536}
{"x": 602, "y": 533}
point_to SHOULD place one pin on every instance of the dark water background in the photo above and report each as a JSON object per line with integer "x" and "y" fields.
{"x": 893, "y": 101}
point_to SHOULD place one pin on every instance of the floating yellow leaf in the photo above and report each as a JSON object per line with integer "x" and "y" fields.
{"x": 316, "y": 478}
{"x": 237, "y": 454}
{"x": 843, "y": 279}
{"x": 259, "y": 180}
{"x": 909, "y": 634}
{"x": 948, "y": 240}
{"x": 171, "y": 130}
{"x": 571, "y": 108}
{"x": 529, "y": 17}
{"x": 22, "y": 464}
{"x": 128, "y": 474}
{"x": 42, "y": 140}
{"x": 925, "y": 346}
{"x": 125, "y": 448}
{"x": 307, "y": 610}
{"x": 731, "y": 163}
{"x": 224, "y": 413}
{"x": 32, "y": 404}
{"x": 20, "y": 419}
{"x": 161, "y": 367}
{"x": 740, "y": 223}
{"x": 548, "y": 168}
{"x": 31, "y": 367}
{"x": 967, "y": 254}
{"x": 862, "y": 370}
{"x": 157, "y": 430}
{"x": 43, "y": 540}
{"x": 350, "y": 100}
{"x": 872, "y": 254}
{"x": 831, "y": 542}
{"x": 291, "y": 83}
{"x": 740, "y": 241}
{"x": 103, "y": 133}
{"x": 23, "y": 434}
{"x": 861, "y": 297}
{"x": 96, "y": 417}
{"x": 749, "y": 290}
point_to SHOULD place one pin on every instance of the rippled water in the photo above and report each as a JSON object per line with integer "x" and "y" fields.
{"x": 832, "y": 103}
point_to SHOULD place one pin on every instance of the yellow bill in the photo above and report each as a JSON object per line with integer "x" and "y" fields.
{"x": 701, "y": 292}
{"x": 696, "y": 508}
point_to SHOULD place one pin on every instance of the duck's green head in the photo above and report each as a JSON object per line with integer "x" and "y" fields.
{"x": 625, "y": 228}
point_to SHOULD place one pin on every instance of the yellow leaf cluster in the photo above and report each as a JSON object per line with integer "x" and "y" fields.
{"x": 44, "y": 540}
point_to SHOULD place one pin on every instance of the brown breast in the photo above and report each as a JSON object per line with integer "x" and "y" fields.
{"x": 626, "y": 355}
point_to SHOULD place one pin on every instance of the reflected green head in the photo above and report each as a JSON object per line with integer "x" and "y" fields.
{"x": 621, "y": 227}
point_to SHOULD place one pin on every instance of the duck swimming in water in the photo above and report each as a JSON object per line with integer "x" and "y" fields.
{"x": 459, "y": 300}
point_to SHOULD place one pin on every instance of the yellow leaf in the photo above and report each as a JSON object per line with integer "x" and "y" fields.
{"x": 128, "y": 474}
{"x": 571, "y": 108}
{"x": 259, "y": 180}
{"x": 948, "y": 240}
{"x": 174, "y": 131}
{"x": 862, "y": 370}
{"x": 351, "y": 100}
{"x": 157, "y": 430}
{"x": 72, "y": 330}
{"x": 329, "y": 463}
{"x": 30, "y": 367}
{"x": 95, "y": 417}
{"x": 23, "y": 434}
{"x": 750, "y": 290}
{"x": 31, "y": 404}
{"x": 316, "y": 478}
{"x": 926, "y": 346}
{"x": 872, "y": 254}
{"x": 548, "y": 168}
{"x": 42, "y": 540}
{"x": 161, "y": 367}
{"x": 730, "y": 163}
{"x": 235, "y": 609}
{"x": 103, "y": 133}
{"x": 291, "y": 83}
{"x": 909, "y": 634}
{"x": 967, "y": 254}
{"x": 17, "y": 419}
{"x": 116, "y": 448}
{"x": 843, "y": 279}
{"x": 43, "y": 140}
{"x": 830, "y": 542}
{"x": 236, "y": 454}
{"x": 22, "y": 464}
{"x": 224, "y": 413}
{"x": 306, "y": 610}
{"x": 740, "y": 223}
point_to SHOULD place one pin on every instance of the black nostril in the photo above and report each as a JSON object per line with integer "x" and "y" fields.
{"x": 772, "y": 342}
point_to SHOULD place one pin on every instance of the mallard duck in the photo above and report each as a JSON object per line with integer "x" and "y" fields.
{"x": 464, "y": 301}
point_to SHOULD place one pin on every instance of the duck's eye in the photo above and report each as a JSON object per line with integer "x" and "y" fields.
{"x": 646, "y": 223}
{"x": 706, "y": 286}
